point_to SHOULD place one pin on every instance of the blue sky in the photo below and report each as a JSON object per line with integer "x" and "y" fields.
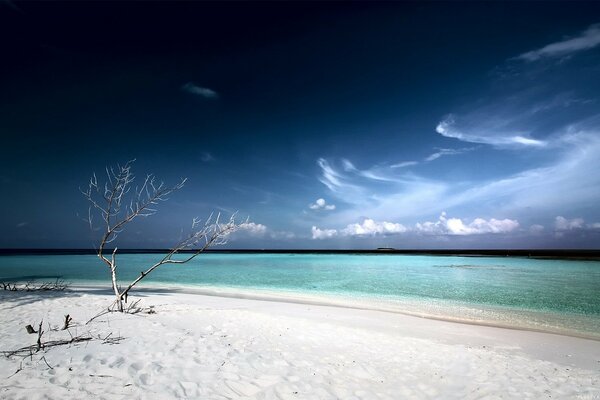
{"x": 408, "y": 125}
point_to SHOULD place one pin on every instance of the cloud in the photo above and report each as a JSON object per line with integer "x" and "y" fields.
{"x": 442, "y": 227}
{"x": 562, "y": 182}
{"x": 205, "y": 156}
{"x": 564, "y": 224}
{"x": 321, "y": 204}
{"x": 329, "y": 177}
{"x": 22, "y": 224}
{"x": 370, "y": 227}
{"x": 446, "y": 152}
{"x": 253, "y": 229}
{"x": 433, "y": 156}
{"x": 455, "y": 226}
{"x": 190, "y": 87}
{"x": 447, "y": 127}
{"x": 404, "y": 164}
{"x": 588, "y": 39}
{"x": 323, "y": 233}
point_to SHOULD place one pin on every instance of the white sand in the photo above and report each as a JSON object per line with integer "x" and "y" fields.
{"x": 209, "y": 347}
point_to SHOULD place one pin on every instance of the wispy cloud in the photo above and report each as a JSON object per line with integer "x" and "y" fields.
{"x": 446, "y": 152}
{"x": 404, "y": 164}
{"x": 481, "y": 134}
{"x": 439, "y": 152}
{"x": 192, "y": 88}
{"x": 205, "y": 156}
{"x": 321, "y": 204}
{"x": 565, "y": 183}
{"x": 588, "y": 39}
{"x": 22, "y": 224}
{"x": 338, "y": 181}
{"x": 526, "y": 103}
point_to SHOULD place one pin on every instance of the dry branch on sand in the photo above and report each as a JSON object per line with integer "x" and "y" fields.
{"x": 41, "y": 345}
{"x": 31, "y": 286}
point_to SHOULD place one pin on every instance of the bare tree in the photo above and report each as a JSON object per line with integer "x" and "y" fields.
{"x": 118, "y": 203}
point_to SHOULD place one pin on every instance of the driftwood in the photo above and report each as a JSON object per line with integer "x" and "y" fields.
{"x": 68, "y": 321}
{"x": 34, "y": 348}
{"x": 40, "y": 345}
{"x": 28, "y": 351}
{"x": 58, "y": 285}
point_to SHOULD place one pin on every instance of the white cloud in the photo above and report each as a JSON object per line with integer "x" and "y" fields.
{"x": 588, "y": 39}
{"x": 443, "y": 226}
{"x": 22, "y": 224}
{"x": 564, "y": 224}
{"x": 481, "y": 134}
{"x": 404, "y": 164}
{"x": 446, "y": 152}
{"x": 253, "y": 229}
{"x": 370, "y": 227}
{"x": 190, "y": 87}
{"x": 433, "y": 156}
{"x": 323, "y": 233}
{"x": 330, "y": 177}
{"x": 321, "y": 204}
{"x": 455, "y": 226}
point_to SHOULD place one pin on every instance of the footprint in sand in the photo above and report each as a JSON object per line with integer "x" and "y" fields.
{"x": 146, "y": 379}
{"x": 135, "y": 368}
{"x": 117, "y": 362}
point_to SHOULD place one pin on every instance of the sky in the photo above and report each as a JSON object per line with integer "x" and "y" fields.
{"x": 326, "y": 125}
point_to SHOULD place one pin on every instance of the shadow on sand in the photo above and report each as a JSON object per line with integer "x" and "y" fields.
{"x": 22, "y": 297}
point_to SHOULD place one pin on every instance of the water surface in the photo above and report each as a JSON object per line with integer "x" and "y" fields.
{"x": 553, "y": 295}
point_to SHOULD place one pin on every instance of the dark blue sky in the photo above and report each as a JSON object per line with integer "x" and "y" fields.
{"x": 335, "y": 125}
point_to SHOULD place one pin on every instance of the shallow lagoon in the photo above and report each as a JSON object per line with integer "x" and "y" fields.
{"x": 552, "y": 295}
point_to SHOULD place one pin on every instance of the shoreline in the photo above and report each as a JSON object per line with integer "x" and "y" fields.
{"x": 345, "y": 302}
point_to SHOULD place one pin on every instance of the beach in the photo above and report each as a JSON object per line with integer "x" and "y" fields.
{"x": 186, "y": 345}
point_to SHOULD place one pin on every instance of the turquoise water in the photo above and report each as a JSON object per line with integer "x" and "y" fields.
{"x": 554, "y": 295}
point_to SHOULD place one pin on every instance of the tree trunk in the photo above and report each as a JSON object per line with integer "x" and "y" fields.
{"x": 118, "y": 296}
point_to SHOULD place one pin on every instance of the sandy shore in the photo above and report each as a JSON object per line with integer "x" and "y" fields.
{"x": 210, "y": 347}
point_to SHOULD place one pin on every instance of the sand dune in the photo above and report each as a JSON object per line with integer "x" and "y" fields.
{"x": 210, "y": 347}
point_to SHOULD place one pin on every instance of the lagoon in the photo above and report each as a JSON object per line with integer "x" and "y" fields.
{"x": 560, "y": 296}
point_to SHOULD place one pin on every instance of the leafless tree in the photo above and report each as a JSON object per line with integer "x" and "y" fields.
{"x": 118, "y": 202}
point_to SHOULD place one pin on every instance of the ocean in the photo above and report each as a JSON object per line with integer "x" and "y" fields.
{"x": 552, "y": 295}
